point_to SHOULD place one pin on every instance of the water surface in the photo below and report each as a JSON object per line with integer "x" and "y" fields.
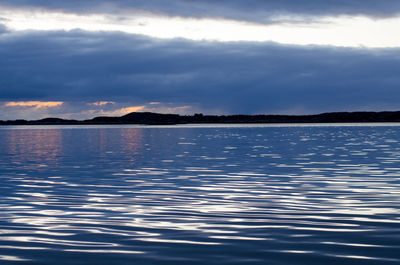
{"x": 200, "y": 195}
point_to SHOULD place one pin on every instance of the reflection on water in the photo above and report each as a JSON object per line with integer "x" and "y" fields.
{"x": 234, "y": 195}
{"x": 33, "y": 147}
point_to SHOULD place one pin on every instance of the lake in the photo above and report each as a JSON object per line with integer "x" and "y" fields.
{"x": 209, "y": 194}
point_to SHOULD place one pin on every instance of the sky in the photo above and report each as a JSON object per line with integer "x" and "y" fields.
{"x": 81, "y": 59}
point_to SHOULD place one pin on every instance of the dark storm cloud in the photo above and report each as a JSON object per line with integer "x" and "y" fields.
{"x": 233, "y": 77}
{"x": 251, "y": 10}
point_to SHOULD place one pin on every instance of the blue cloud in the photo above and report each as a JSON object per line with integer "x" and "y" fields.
{"x": 238, "y": 77}
{"x": 3, "y": 29}
{"x": 252, "y": 10}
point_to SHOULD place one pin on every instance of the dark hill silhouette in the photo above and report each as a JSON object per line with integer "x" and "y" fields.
{"x": 149, "y": 118}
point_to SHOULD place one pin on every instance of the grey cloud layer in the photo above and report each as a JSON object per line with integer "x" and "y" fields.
{"x": 233, "y": 77}
{"x": 251, "y": 10}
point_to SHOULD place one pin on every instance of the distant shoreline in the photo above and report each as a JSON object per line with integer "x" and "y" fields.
{"x": 148, "y": 118}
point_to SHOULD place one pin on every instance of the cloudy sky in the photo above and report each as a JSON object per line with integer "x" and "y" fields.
{"x": 85, "y": 58}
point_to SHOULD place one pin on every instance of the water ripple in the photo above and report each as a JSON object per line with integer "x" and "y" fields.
{"x": 247, "y": 195}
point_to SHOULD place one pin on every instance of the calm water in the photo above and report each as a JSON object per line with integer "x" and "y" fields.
{"x": 200, "y": 195}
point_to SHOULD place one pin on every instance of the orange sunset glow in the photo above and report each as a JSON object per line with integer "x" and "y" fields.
{"x": 34, "y": 104}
